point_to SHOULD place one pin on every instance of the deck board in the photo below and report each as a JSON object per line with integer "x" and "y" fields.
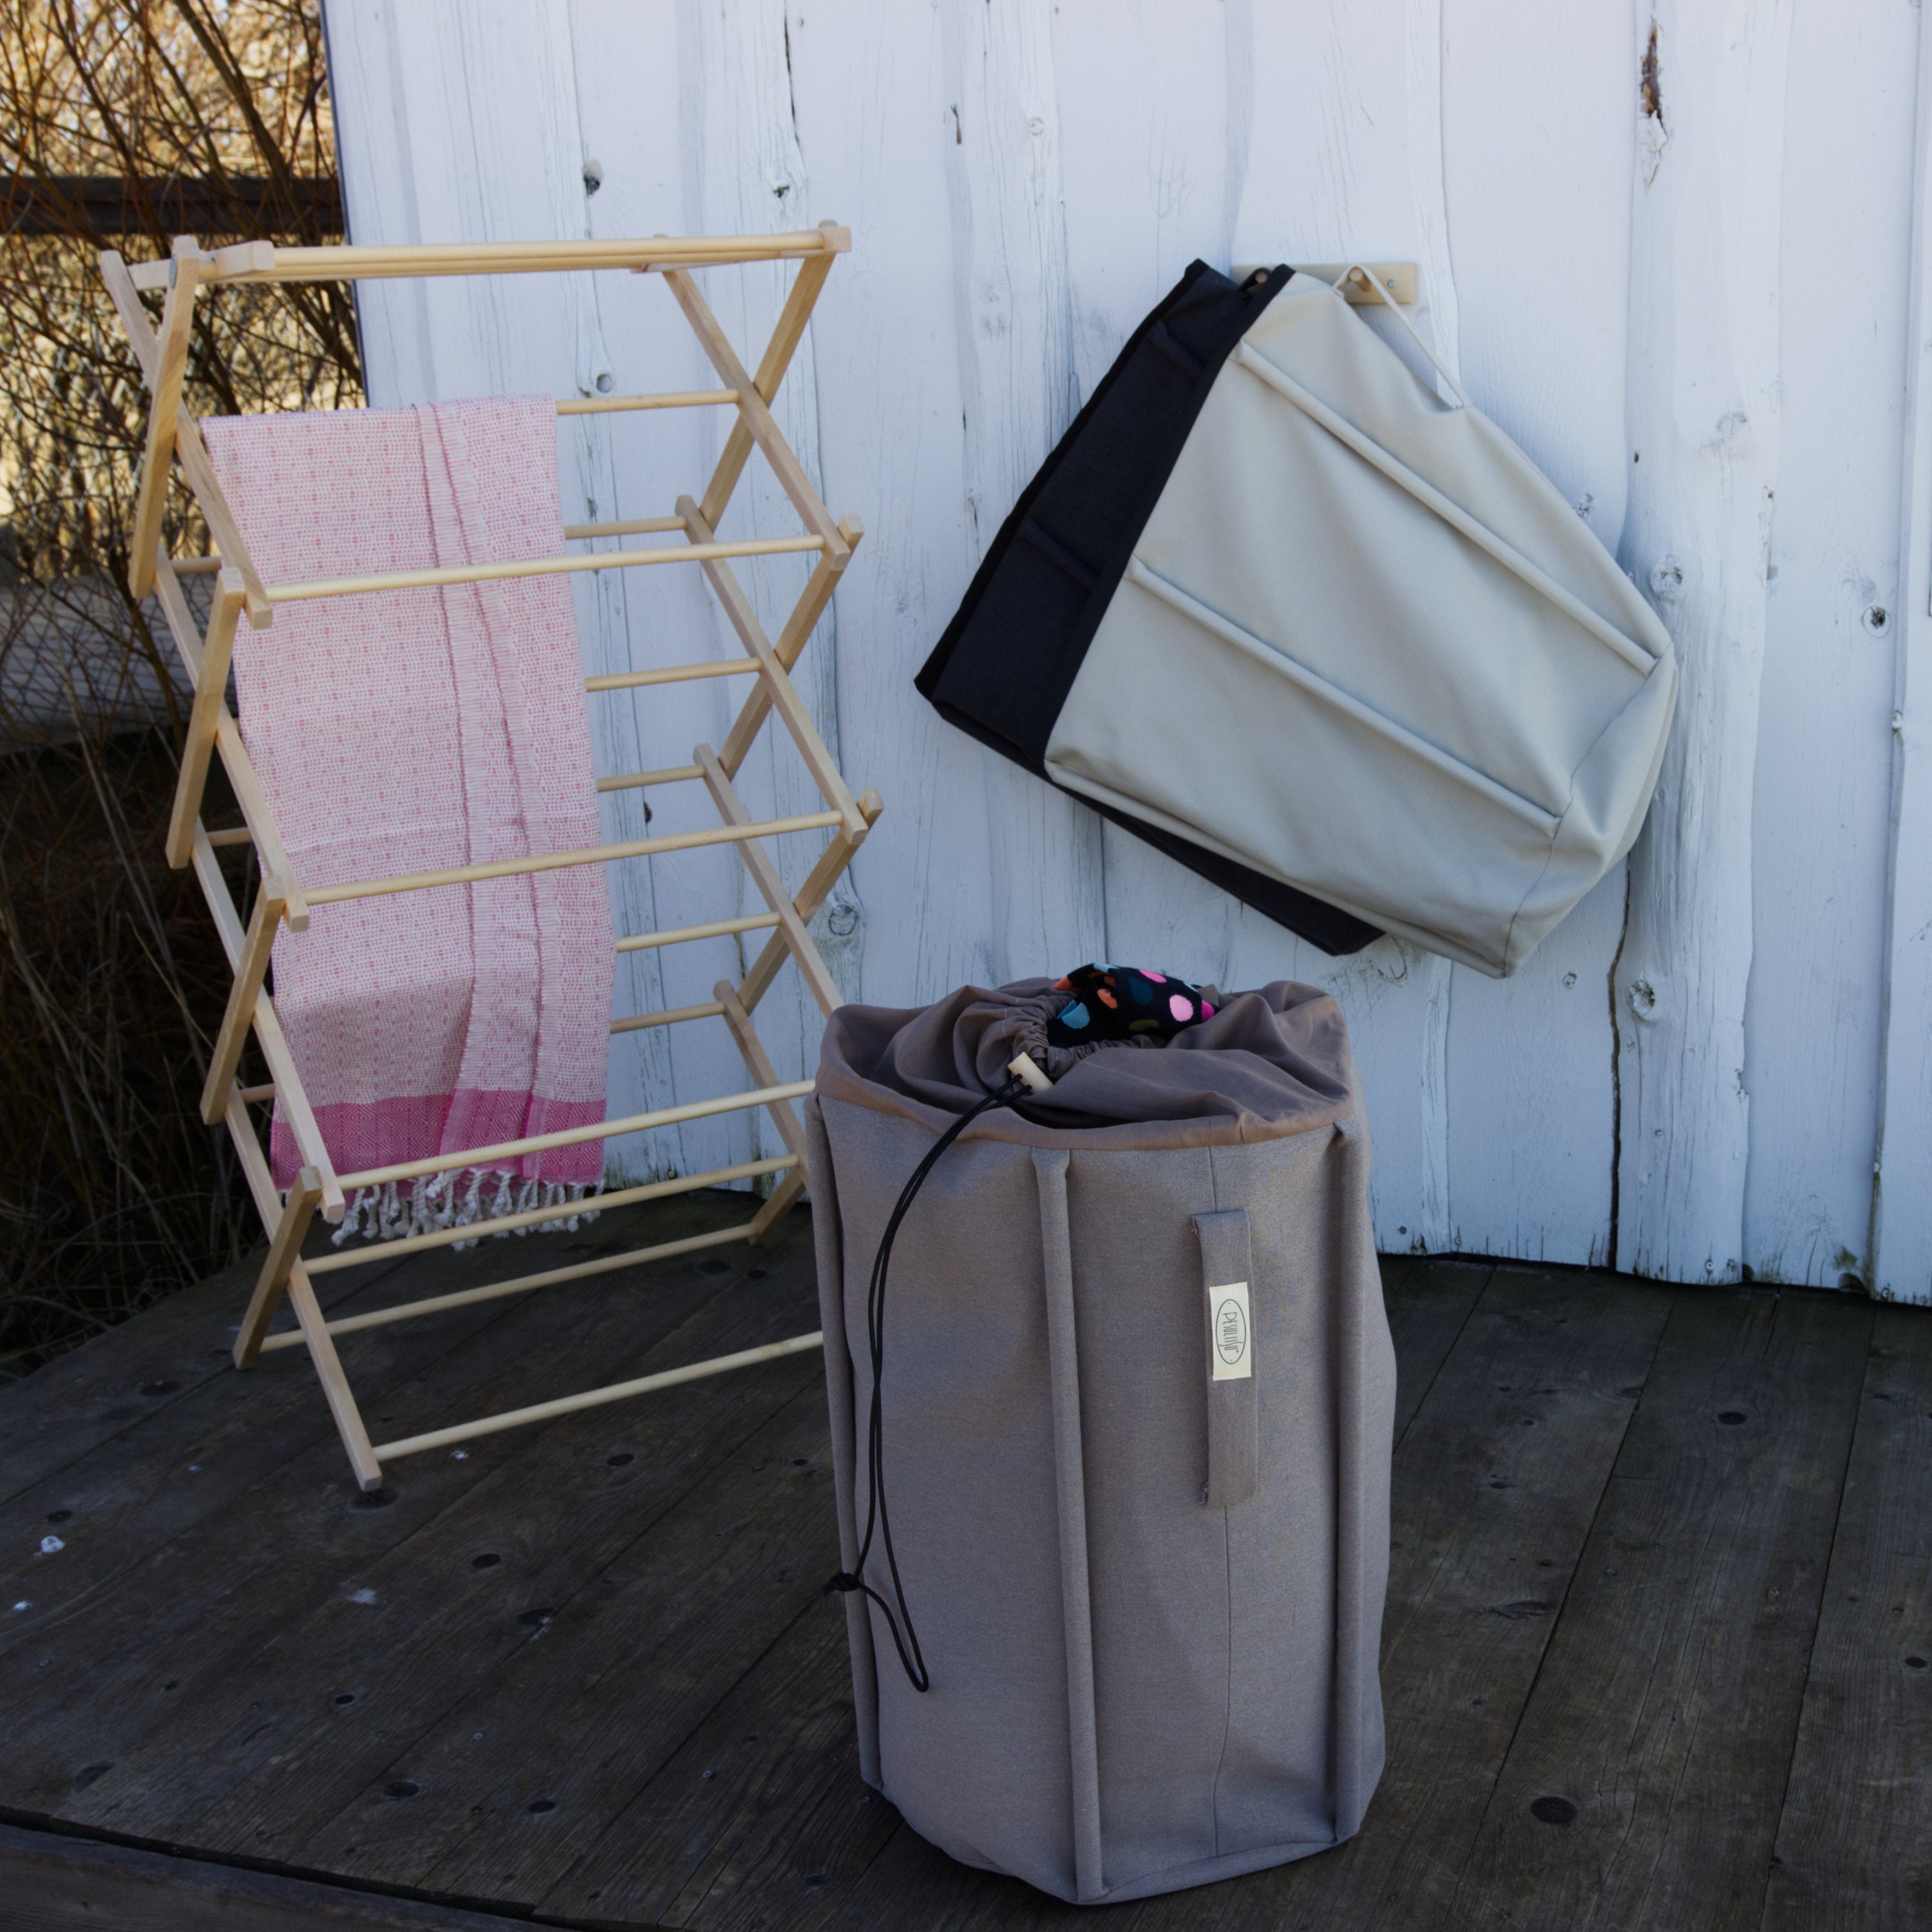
{"x": 173, "y": 1632}
{"x": 1666, "y": 1718}
{"x": 1854, "y": 1851}
{"x": 198, "y": 1630}
{"x": 780, "y": 1829}
{"x": 551, "y": 1510}
{"x": 1496, "y": 1484}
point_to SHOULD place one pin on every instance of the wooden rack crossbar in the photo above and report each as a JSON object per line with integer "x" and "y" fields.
{"x": 263, "y": 261}
{"x": 573, "y": 1405}
{"x": 716, "y": 928}
{"x": 705, "y": 1010}
{"x": 669, "y": 774}
{"x": 637, "y": 526}
{"x": 635, "y": 680}
{"x": 669, "y": 399}
{"x": 555, "y": 861}
{"x": 282, "y": 902}
{"x": 522, "y": 1284}
{"x": 542, "y": 566}
{"x": 564, "y": 1137}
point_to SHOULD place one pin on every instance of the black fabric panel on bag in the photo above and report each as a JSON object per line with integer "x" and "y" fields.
{"x": 1010, "y": 655}
{"x": 1003, "y": 668}
{"x": 1323, "y": 925}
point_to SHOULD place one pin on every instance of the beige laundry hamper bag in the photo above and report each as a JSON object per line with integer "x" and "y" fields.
{"x": 1134, "y": 1430}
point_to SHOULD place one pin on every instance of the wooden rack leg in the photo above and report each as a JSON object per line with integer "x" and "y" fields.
{"x": 791, "y": 932}
{"x": 819, "y": 881}
{"x": 256, "y": 949}
{"x": 158, "y": 460}
{"x": 774, "y": 683}
{"x": 188, "y": 447}
{"x": 284, "y": 1250}
{"x": 791, "y": 1129}
{"x": 778, "y": 352}
{"x": 211, "y": 689}
{"x": 792, "y": 641}
{"x": 349, "y": 1425}
{"x": 756, "y": 419}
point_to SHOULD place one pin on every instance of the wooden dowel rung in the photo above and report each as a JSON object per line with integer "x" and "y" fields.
{"x": 670, "y": 1016}
{"x": 633, "y": 1123}
{"x": 199, "y": 566}
{"x": 571, "y": 1405}
{"x": 257, "y": 1096}
{"x": 637, "y": 526}
{"x": 630, "y": 680}
{"x": 348, "y": 262}
{"x": 534, "y": 1217}
{"x": 495, "y": 1291}
{"x": 630, "y": 781}
{"x": 536, "y": 566}
{"x": 232, "y": 835}
{"x": 554, "y": 861}
{"x": 717, "y": 929}
{"x": 671, "y": 399}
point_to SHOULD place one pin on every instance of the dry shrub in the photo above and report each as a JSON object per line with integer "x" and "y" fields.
{"x": 112, "y": 1191}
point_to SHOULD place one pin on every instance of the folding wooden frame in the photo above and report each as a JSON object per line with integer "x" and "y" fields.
{"x": 283, "y": 901}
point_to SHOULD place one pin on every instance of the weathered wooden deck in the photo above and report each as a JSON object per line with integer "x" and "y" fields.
{"x": 1657, "y": 1652}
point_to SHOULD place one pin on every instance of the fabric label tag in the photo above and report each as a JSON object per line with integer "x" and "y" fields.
{"x": 1233, "y": 1352}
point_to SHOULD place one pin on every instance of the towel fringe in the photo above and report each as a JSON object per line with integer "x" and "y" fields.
{"x": 442, "y": 1201}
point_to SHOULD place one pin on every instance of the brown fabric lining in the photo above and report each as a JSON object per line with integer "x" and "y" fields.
{"x": 1270, "y": 1062}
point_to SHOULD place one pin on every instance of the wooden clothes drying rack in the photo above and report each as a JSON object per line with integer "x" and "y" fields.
{"x": 282, "y": 901}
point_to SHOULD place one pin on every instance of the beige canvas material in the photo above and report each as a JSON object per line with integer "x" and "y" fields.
{"x": 1136, "y": 1687}
{"x": 1310, "y": 668}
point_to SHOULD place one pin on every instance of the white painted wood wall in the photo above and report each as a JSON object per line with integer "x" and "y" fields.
{"x": 1705, "y": 313}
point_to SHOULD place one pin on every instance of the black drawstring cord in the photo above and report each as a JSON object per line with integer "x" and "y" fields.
{"x": 846, "y": 1580}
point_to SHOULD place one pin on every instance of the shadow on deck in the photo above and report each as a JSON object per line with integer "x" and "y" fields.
{"x": 1658, "y": 1651}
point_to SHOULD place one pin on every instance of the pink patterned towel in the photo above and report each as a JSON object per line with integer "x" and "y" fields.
{"x": 408, "y": 731}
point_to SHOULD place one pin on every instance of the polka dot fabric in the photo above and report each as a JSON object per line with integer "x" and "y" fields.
{"x": 1123, "y": 1003}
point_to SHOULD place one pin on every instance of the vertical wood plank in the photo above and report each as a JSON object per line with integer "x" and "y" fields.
{"x": 640, "y": 93}
{"x": 1014, "y": 332}
{"x": 1141, "y": 90}
{"x": 745, "y": 171}
{"x": 1901, "y": 1223}
{"x": 1812, "y": 1036}
{"x": 870, "y": 90}
{"x": 1342, "y": 157}
{"x": 1538, "y": 207}
{"x": 369, "y": 90}
{"x": 1703, "y": 431}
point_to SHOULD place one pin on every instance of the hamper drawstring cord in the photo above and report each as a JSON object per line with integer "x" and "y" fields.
{"x": 876, "y": 1512}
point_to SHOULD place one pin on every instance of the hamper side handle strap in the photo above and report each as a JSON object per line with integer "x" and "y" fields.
{"x": 1056, "y": 1241}
{"x": 1234, "y": 1425}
